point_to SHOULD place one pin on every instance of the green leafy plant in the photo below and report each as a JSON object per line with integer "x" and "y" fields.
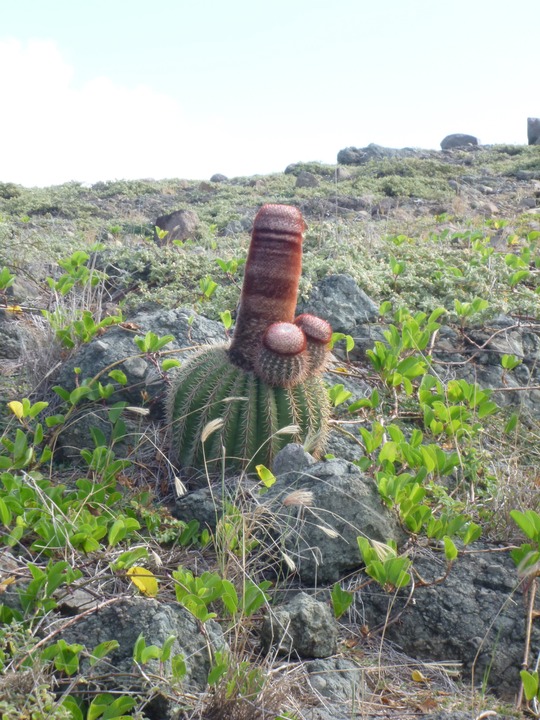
{"x": 341, "y": 600}
{"x": 196, "y": 594}
{"x": 384, "y": 565}
{"x": 467, "y": 310}
{"x": 6, "y": 280}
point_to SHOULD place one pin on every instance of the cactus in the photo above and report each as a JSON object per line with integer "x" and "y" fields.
{"x": 269, "y": 377}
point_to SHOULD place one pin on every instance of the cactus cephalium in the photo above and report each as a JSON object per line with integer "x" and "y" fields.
{"x": 269, "y": 377}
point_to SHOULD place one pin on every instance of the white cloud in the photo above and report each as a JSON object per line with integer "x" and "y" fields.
{"x": 54, "y": 131}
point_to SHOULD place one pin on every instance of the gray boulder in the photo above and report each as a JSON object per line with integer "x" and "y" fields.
{"x": 116, "y": 347}
{"x": 180, "y": 225}
{"x": 338, "y": 680}
{"x": 457, "y": 140}
{"x": 303, "y": 626}
{"x": 320, "y": 535}
{"x": 475, "y": 617}
{"x": 533, "y": 131}
{"x": 343, "y": 174}
{"x": 480, "y": 352}
{"x": 205, "y": 505}
{"x": 338, "y": 299}
{"x": 128, "y": 618}
{"x": 307, "y": 179}
{"x": 11, "y": 345}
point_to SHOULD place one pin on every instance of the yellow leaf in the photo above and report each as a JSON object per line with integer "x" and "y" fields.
{"x": 13, "y": 309}
{"x": 4, "y": 584}
{"x": 144, "y": 580}
{"x": 16, "y": 408}
{"x": 267, "y": 476}
{"x": 417, "y": 676}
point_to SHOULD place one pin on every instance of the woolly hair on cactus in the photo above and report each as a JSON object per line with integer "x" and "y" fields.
{"x": 269, "y": 378}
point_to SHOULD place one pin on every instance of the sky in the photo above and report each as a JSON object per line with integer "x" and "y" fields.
{"x": 97, "y": 90}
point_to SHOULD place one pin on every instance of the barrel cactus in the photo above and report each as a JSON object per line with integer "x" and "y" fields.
{"x": 237, "y": 403}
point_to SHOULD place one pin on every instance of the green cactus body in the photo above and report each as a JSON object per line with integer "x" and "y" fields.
{"x": 210, "y": 387}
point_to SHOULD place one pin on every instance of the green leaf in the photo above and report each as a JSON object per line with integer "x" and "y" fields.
{"x": 229, "y": 597}
{"x": 226, "y": 319}
{"x": 37, "y": 408}
{"x": 472, "y": 533}
{"x": 169, "y": 363}
{"x": 511, "y": 424}
{"x": 388, "y": 452}
{"x": 129, "y": 558}
{"x": 151, "y": 652}
{"x": 54, "y": 420}
{"x": 71, "y": 705}
{"x": 167, "y": 647}
{"x": 341, "y": 600}
{"x": 530, "y": 684}
{"x": 524, "y": 522}
{"x": 338, "y": 394}
{"x": 79, "y": 393}
{"x": 5, "y": 514}
{"x": 178, "y": 667}
{"x": 119, "y": 376}
{"x": 450, "y": 550}
{"x": 103, "y": 649}
{"x": 117, "y": 532}
{"x": 487, "y": 408}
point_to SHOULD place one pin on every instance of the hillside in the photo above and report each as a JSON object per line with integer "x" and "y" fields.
{"x": 130, "y": 587}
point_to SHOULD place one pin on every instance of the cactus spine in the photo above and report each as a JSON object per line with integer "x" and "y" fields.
{"x": 269, "y": 376}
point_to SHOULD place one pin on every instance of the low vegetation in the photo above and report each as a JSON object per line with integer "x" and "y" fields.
{"x": 446, "y": 457}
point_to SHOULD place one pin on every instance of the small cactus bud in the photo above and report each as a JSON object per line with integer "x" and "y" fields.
{"x": 281, "y": 360}
{"x": 318, "y": 333}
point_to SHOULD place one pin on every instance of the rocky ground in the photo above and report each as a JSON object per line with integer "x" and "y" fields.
{"x": 457, "y": 229}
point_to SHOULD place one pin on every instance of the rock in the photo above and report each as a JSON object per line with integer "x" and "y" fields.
{"x": 337, "y": 679}
{"x": 218, "y": 178}
{"x": 321, "y": 537}
{"x": 303, "y": 626}
{"x": 458, "y": 140}
{"x": 11, "y": 345}
{"x": 180, "y": 225}
{"x": 292, "y": 459}
{"x": 501, "y": 337}
{"x": 364, "y": 337}
{"x": 128, "y": 618}
{"x": 343, "y": 174}
{"x": 72, "y": 601}
{"x": 77, "y": 433}
{"x": 483, "y": 348}
{"x": 476, "y": 617}
{"x": 236, "y": 227}
{"x": 533, "y": 131}
{"x": 339, "y": 300}
{"x": 204, "y": 505}
{"x": 145, "y": 384}
{"x": 307, "y": 179}
{"x": 359, "y": 156}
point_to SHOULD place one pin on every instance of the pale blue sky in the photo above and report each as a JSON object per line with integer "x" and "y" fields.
{"x": 104, "y": 89}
